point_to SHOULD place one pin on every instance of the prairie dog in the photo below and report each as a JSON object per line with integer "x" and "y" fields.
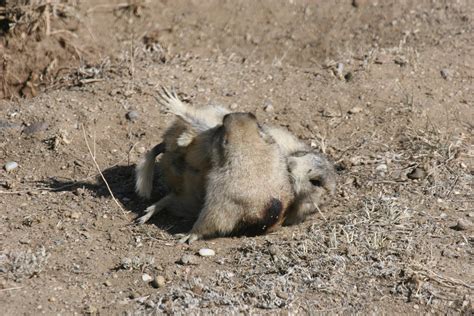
{"x": 248, "y": 188}
{"x": 312, "y": 175}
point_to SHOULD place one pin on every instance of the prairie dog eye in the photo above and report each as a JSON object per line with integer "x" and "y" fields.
{"x": 316, "y": 182}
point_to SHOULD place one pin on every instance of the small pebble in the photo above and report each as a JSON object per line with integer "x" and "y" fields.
{"x": 234, "y": 106}
{"x": 445, "y": 73}
{"x": 355, "y": 110}
{"x": 11, "y": 165}
{"x": 108, "y": 283}
{"x": 75, "y": 215}
{"x": 382, "y": 168}
{"x": 188, "y": 259}
{"x": 417, "y": 173}
{"x": 36, "y": 128}
{"x": 463, "y": 224}
{"x": 449, "y": 253}
{"x": 268, "y": 106}
{"x": 132, "y": 116}
{"x": 206, "y": 252}
{"x": 146, "y": 277}
{"x": 158, "y": 282}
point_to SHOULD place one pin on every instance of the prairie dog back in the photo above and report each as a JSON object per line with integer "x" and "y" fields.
{"x": 248, "y": 185}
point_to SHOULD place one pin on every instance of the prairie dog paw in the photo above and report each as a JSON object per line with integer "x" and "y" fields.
{"x": 189, "y": 239}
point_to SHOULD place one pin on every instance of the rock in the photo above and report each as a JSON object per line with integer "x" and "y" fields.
{"x": 417, "y": 173}
{"x": 91, "y": 310}
{"x": 146, "y": 277}
{"x": 8, "y": 125}
{"x": 158, "y": 282}
{"x": 75, "y": 215}
{"x": 36, "y": 128}
{"x": 206, "y": 252}
{"x": 188, "y": 259}
{"x": 462, "y": 224}
{"x": 449, "y": 253}
{"x": 11, "y": 165}
{"x": 234, "y": 106}
{"x": 108, "y": 283}
{"x": 268, "y": 106}
{"x": 358, "y": 3}
{"x": 401, "y": 61}
{"x": 132, "y": 116}
{"x": 355, "y": 110}
{"x": 445, "y": 73}
{"x": 382, "y": 168}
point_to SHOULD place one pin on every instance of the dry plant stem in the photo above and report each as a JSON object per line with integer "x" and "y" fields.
{"x": 100, "y": 172}
{"x": 11, "y": 289}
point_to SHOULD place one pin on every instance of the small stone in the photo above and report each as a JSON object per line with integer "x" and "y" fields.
{"x": 114, "y": 92}
{"x": 128, "y": 93}
{"x": 108, "y": 283}
{"x": 141, "y": 150}
{"x": 358, "y": 3}
{"x": 206, "y": 252}
{"x": 234, "y": 106}
{"x": 449, "y": 253}
{"x": 355, "y": 110}
{"x": 382, "y": 168}
{"x": 36, "y": 128}
{"x": 445, "y": 73}
{"x": 268, "y": 106}
{"x": 52, "y": 299}
{"x": 417, "y": 173}
{"x": 91, "y": 310}
{"x": 11, "y": 165}
{"x": 132, "y": 115}
{"x": 463, "y": 224}
{"x": 282, "y": 295}
{"x": 416, "y": 306}
{"x": 274, "y": 251}
{"x": 382, "y": 59}
{"x": 75, "y": 215}
{"x": 401, "y": 61}
{"x": 188, "y": 259}
{"x": 471, "y": 214}
{"x": 146, "y": 277}
{"x": 158, "y": 282}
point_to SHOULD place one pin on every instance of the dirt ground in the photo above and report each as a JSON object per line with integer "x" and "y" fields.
{"x": 384, "y": 88}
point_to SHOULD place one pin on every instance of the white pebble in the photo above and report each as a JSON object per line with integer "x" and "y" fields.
{"x": 9, "y": 166}
{"x": 206, "y": 252}
{"x": 146, "y": 277}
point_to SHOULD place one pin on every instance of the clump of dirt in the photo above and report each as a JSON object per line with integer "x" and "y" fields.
{"x": 38, "y": 40}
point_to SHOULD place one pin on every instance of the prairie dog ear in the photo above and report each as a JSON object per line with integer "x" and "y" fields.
{"x": 185, "y": 139}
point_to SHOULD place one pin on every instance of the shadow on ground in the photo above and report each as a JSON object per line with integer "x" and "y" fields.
{"x": 121, "y": 182}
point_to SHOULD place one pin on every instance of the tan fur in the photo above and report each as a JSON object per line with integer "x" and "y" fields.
{"x": 312, "y": 175}
{"x": 247, "y": 174}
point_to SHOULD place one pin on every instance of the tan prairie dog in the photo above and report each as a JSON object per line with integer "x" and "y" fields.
{"x": 312, "y": 175}
{"x": 248, "y": 188}
{"x": 184, "y": 169}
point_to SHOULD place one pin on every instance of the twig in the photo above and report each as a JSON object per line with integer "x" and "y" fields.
{"x": 100, "y": 172}
{"x": 11, "y": 288}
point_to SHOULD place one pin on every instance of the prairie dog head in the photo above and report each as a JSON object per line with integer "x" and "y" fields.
{"x": 311, "y": 172}
{"x": 240, "y": 127}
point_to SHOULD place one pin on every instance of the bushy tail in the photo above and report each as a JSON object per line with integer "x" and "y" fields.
{"x": 144, "y": 171}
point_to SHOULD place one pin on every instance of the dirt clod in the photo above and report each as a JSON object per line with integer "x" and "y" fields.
{"x": 132, "y": 115}
{"x": 463, "y": 224}
{"x": 417, "y": 174}
{"x": 158, "y": 281}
